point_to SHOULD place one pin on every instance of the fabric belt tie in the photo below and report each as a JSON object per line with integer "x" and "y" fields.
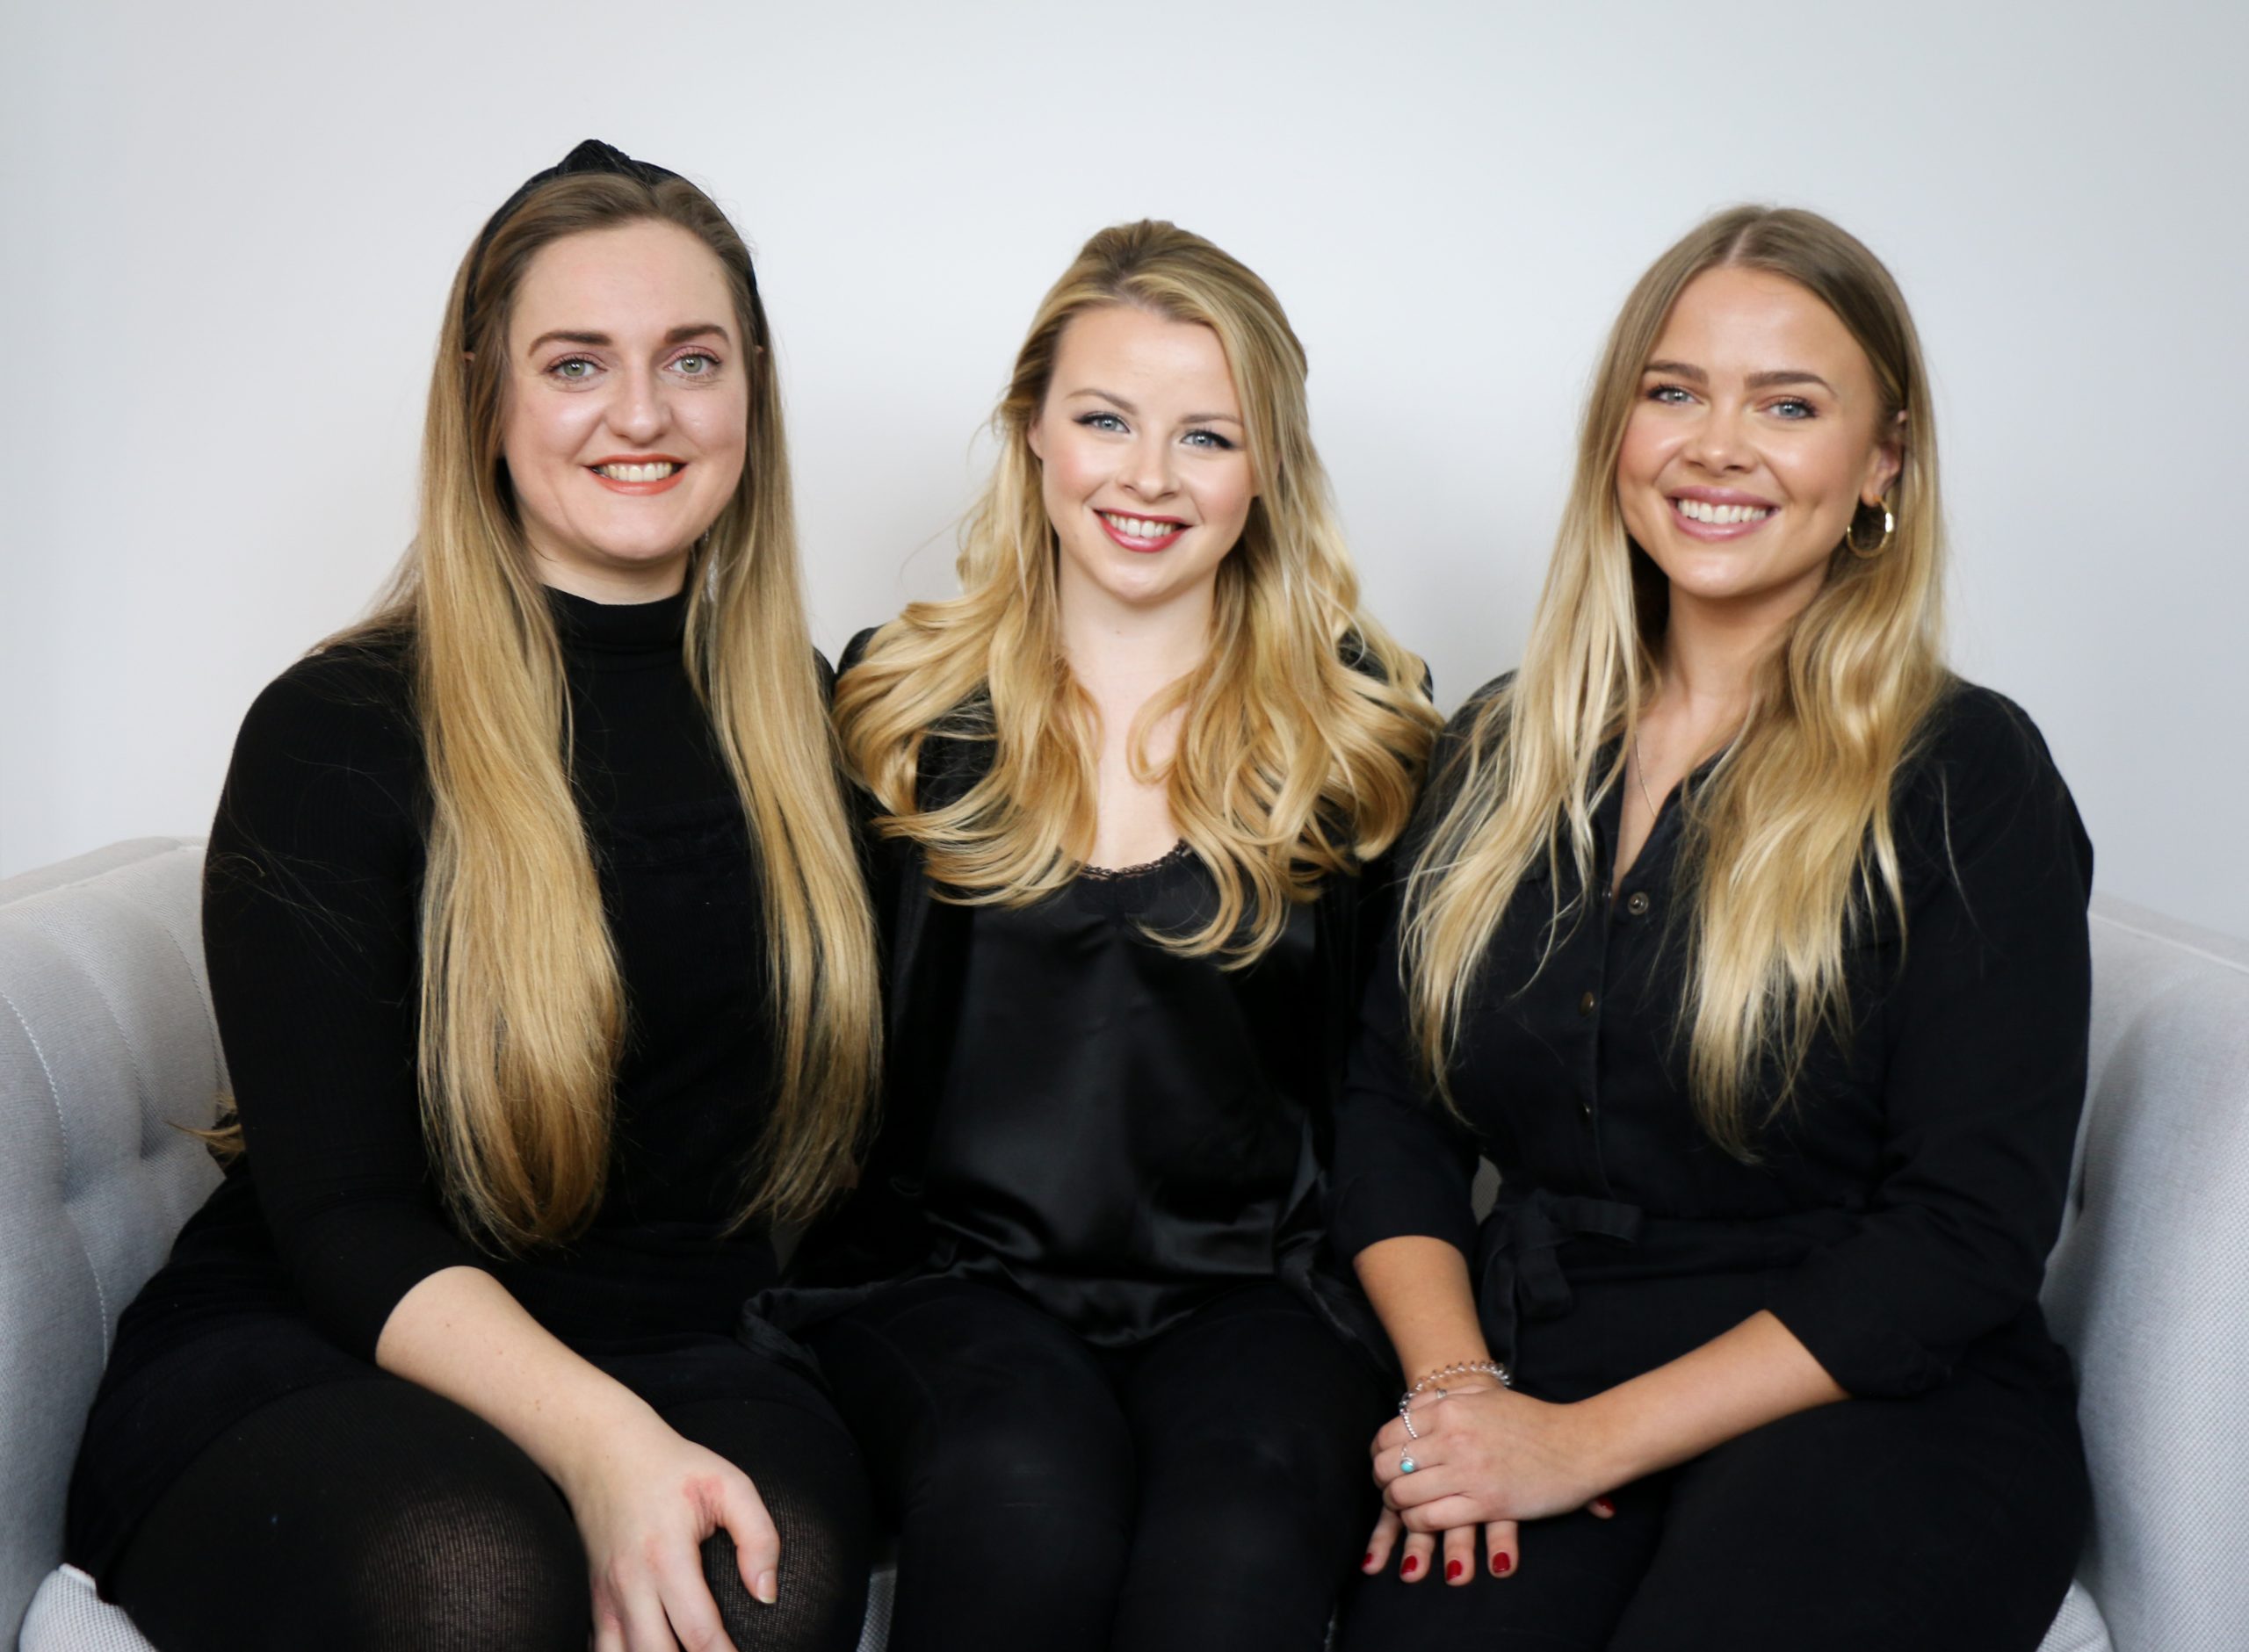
{"x": 1520, "y": 1273}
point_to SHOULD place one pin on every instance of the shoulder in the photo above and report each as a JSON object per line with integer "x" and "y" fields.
{"x": 856, "y": 649}
{"x": 354, "y": 693}
{"x": 1983, "y": 775}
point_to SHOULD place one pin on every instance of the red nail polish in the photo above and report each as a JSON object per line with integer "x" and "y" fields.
{"x": 1368, "y": 1560}
{"x": 1502, "y": 1565}
{"x": 1453, "y": 1568}
{"x": 1604, "y": 1505}
{"x": 1413, "y": 1564}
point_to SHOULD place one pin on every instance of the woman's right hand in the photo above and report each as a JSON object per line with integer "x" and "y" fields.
{"x": 645, "y": 1499}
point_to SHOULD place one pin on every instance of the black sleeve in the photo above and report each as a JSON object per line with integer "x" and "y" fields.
{"x": 309, "y": 908}
{"x": 1985, "y": 1032}
{"x": 1404, "y": 1164}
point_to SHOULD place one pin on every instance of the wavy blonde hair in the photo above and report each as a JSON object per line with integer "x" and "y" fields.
{"x": 1787, "y": 850}
{"x": 521, "y": 1007}
{"x": 1305, "y": 727}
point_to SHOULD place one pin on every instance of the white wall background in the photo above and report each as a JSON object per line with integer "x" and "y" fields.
{"x": 228, "y": 229}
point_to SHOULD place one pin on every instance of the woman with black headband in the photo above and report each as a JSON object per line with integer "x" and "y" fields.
{"x": 546, "y": 983}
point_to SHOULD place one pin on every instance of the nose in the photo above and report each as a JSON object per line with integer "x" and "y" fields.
{"x": 1719, "y": 440}
{"x": 1146, "y": 470}
{"x": 641, "y": 411}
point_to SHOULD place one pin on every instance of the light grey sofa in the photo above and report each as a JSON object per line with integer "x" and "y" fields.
{"x": 107, "y": 1044}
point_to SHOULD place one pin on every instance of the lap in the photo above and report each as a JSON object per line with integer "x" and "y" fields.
{"x": 1949, "y": 1520}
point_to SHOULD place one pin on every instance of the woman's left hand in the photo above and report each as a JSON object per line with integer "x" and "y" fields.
{"x": 1488, "y": 1454}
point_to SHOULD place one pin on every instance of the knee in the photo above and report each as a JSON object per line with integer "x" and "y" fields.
{"x": 1028, "y": 1464}
{"x": 472, "y": 1567}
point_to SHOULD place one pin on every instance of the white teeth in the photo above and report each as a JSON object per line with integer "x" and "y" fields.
{"x": 1140, "y": 527}
{"x": 654, "y": 472}
{"x": 1721, "y": 516}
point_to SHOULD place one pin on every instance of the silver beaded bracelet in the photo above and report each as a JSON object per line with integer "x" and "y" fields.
{"x": 1491, "y": 1368}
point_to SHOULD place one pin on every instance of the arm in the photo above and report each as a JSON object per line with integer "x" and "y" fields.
{"x": 1985, "y": 1039}
{"x": 312, "y": 879}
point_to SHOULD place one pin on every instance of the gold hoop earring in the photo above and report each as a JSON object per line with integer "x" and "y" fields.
{"x": 1867, "y": 553}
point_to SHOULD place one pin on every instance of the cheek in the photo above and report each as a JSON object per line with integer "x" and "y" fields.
{"x": 1071, "y": 472}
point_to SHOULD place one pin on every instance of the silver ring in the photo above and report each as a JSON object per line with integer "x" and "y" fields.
{"x": 1407, "y": 1465}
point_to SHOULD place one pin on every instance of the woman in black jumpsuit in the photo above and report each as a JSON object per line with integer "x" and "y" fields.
{"x": 1803, "y": 1372}
{"x": 342, "y": 1416}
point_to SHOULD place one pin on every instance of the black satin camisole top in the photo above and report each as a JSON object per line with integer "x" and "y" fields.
{"x": 1122, "y": 1132}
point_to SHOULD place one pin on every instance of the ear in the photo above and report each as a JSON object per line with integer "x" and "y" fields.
{"x": 1034, "y": 438}
{"x": 1888, "y": 459}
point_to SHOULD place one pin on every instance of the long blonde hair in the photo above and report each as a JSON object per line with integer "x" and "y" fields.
{"x": 522, "y": 1008}
{"x": 1788, "y": 846}
{"x": 1304, "y": 726}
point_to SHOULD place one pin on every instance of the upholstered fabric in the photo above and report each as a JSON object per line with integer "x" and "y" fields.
{"x": 106, "y": 1049}
{"x": 106, "y": 1045}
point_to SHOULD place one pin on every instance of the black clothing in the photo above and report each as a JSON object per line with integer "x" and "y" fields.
{"x": 1898, "y": 1215}
{"x": 1227, "y": 1081}
{"x": 1075, "y": 1310}
{"x": 371, "y": 1515}
{"x": 1122, "y": 1131}
{"x": 1946, "y": 1523}
{"x": 1204, "y": 1488}
{"x": 312, "y": 883}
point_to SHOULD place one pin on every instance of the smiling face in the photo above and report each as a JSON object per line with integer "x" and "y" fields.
{"x": 626, "y": 407}
{"x": 1144, "y": 470}
{"x": 1758, "y": 432}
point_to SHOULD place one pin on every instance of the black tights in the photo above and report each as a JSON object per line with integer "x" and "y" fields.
{"x": 1207, "y": 1489}
{"x": 373, "y": 1516}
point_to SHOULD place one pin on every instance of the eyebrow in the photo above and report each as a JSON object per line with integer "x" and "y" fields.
{"x": 1755, "y": 381}
{"x": 678, "y": 336}
{"x": 1124, "y": 406}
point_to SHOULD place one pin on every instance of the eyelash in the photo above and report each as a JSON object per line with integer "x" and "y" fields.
{"x": 554, "y": 371}
{"x": 1663, "y": 393}
{"x": 1102, "y": 421}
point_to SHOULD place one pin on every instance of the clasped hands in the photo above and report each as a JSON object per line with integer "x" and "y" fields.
{"x": 1487, "y": 1457}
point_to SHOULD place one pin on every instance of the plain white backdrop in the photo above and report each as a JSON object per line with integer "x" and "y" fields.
{"x": 228, "y": 229}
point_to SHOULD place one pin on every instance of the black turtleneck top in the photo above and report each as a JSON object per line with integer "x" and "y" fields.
{"x": 310, "y": 916}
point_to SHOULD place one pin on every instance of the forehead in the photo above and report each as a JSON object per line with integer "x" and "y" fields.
{"x": 1753, "y": 320}
{"x": 1123, "y": 347}
{"x": 639, "y": 278}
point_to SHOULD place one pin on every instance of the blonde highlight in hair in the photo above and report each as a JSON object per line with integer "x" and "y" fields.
{"x": 522, "y": 1005}
{"x": 1788, "y": 851}
{"x": 1304, "y": 728}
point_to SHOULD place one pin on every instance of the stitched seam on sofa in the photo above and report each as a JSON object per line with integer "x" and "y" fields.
{"x": 210, "y": 1011}
{"x": 2172, "y": 941}
{"x": 63, "y": 1124}
{"x": 168, "y": 846}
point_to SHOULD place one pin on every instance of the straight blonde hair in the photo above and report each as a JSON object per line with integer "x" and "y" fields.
{"x": 522, "y": 1005}
{"x": 1305, "y": 727}
{"x": 1787, "y": 852}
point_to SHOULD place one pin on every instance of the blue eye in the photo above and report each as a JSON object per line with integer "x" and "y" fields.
{"x": 1670, "y": 395}
{"x": 1794, "y": 407}
{"x": 1207, "y": 439}
{"x": 1101, "y": 421}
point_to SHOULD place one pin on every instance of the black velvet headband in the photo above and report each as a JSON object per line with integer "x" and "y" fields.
{"x": 591, "y": 156}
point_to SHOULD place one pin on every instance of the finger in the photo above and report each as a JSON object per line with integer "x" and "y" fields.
{"x": 1390, "y": 1467}
{"x": 1390, "y": 1437}
{"x": 1381, "y": 1541}
{"x": 757, "y": 1545}
{"x": 608, "y": 1629}
{"x": 1442, "y": 1514}
{"x": 646, "y": 1629}
{"x": 1503, "y": 1546}
{"x": 1603, "y": 1508}
{"x": 1419, "y": 1546}
{"x": 1460, "y": 1555}
{"x": 688, "y": 1607}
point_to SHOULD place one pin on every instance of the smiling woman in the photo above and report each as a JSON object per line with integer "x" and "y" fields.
{"x": 1130, "y": 785}
{"x": 546, "y": 983}
{"x": 1750, "y": 944}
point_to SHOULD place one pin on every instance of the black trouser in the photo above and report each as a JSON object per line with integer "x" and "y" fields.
{"x": 1206, "y": 1488}
{"x": 371, "y": 1515}
{"x": 1946, "y": 1523}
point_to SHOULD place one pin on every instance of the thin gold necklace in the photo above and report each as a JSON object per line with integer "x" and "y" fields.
{"x": 1640, "y": 764}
